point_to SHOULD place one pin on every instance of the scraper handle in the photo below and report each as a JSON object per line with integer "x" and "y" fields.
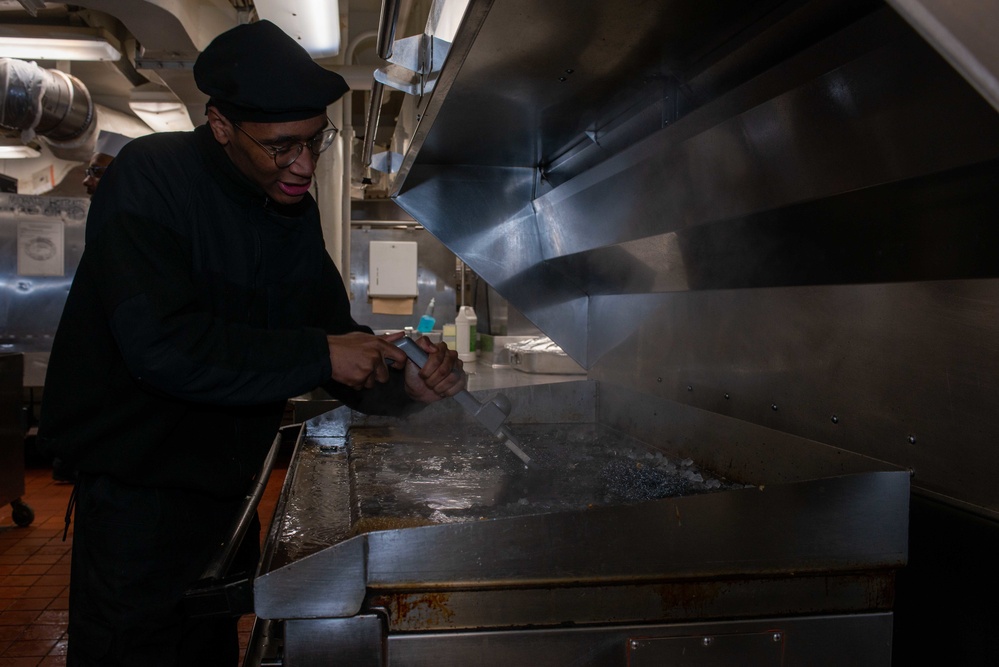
{"x": 490, "y": 414}
{"x": 413, "y": 351}
{"x": 419, "y": 357}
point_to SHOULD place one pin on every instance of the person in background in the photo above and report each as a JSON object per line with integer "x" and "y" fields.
{"x": 204, "y": 299}
{"x": 108, "y": 145}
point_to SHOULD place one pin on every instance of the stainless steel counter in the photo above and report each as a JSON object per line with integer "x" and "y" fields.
{"x": 483, "y": 376}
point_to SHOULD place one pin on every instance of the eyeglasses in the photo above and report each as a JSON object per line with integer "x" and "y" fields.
{"x": 96, "y": 172}
{"x": 285, "y": 156}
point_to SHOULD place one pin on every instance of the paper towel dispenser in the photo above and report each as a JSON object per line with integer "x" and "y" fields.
{"x": 392, "y": 269}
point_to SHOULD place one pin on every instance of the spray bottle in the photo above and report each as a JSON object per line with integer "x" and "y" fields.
{"x": 426, "y": 324}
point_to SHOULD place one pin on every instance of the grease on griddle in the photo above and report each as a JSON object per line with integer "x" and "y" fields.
{"x": 448, "y": 474}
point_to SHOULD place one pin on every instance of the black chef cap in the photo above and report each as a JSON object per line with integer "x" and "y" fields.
{"x": 255, "y": 72}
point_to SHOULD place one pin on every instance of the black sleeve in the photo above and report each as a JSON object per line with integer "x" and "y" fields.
{"x": 383, "y": 399}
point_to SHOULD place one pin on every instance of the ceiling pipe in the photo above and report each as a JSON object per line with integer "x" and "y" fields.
{"x": 371, "y": 124}
{"x": 387, "y": 20}
{"x": 355, "y": 42}
{"x": 47, "y": 103}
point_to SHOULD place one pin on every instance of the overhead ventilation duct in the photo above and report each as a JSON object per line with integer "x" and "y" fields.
{"x": 47, "y": 103}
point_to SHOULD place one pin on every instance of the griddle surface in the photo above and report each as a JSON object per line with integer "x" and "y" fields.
{"x": 405, "y": 476}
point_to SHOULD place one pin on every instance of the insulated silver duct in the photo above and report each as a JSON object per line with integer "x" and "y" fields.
{"x": 50, "y": 104}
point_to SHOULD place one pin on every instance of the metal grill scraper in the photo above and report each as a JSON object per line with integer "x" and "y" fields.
{"x": 491, "y": 414}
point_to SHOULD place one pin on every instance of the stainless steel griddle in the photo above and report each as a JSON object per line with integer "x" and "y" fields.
{"x": 425, "y": 542}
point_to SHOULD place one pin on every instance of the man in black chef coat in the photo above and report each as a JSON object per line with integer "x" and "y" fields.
{"x": 203, "y": 301}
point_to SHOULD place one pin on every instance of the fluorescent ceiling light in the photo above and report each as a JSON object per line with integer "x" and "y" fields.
{"x": 28, "y": 48}
{"x": 11, "y": 149}
{"x": 35, "y": 42}
{"x": 315, "y": 24}
{"x": 159, "y": 108}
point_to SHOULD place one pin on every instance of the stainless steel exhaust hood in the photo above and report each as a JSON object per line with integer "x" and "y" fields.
{"x": 779, "y": 213}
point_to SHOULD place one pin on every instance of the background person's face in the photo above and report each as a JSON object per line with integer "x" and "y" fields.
{"x": 99, "y": 161}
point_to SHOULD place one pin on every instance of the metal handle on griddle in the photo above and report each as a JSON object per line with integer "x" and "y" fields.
{"x": 213, "y": 594}
{"x": 220, "y": 564}
{"x": 491, "y": 414}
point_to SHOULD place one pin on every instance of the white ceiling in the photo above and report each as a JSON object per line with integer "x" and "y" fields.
{"x": 163, "y": 37}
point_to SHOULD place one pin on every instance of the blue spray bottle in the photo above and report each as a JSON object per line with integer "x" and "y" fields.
{"x": 427, "y": 321}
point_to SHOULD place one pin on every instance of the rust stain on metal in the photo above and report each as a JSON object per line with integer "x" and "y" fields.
{"x": 683, "y": 600}
{"x": 424, "y": 610}
{"x": 881, "y": 593}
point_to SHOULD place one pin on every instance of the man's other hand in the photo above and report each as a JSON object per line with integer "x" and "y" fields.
{"x": 440, "y": 377}
{"x": 359, "y": 360}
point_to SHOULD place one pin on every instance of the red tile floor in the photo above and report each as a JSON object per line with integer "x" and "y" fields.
{"x": 34, "y": 573}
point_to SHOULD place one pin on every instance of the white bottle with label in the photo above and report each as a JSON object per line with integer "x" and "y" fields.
{"x": 465, "y": 334}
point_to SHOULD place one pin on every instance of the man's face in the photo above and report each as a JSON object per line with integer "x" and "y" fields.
{"x": 95, "y": 170}
{"x": 285, "y": 185}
